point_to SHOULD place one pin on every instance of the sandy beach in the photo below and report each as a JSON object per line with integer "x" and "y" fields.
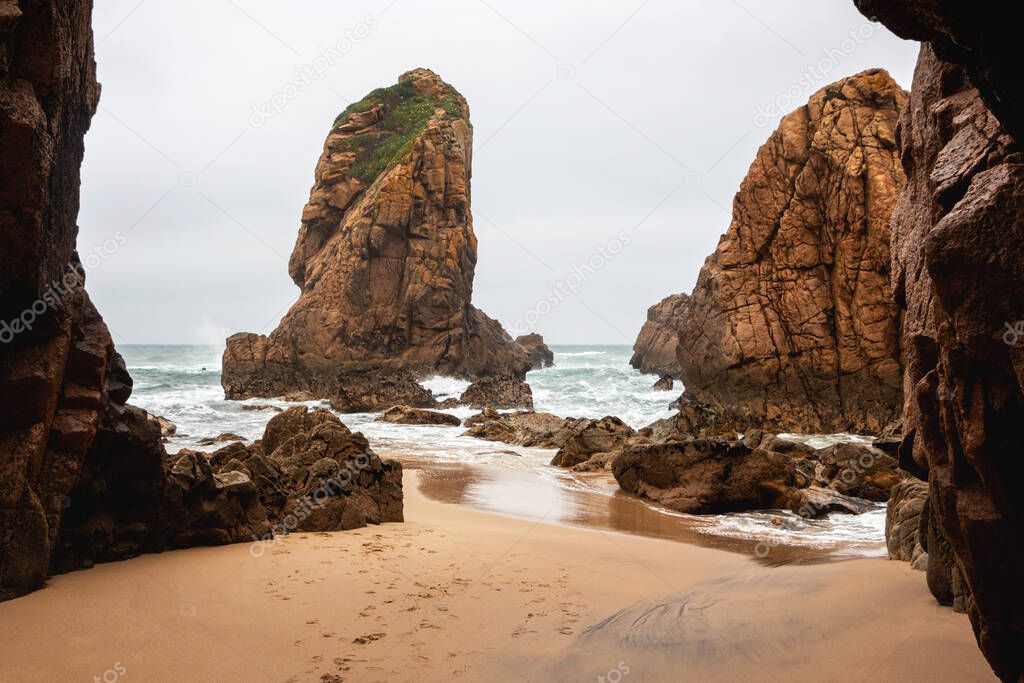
{"x": 456, "y": 593}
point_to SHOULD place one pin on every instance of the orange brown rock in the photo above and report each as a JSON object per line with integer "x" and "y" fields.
{"x": 385, "y": 256}
{"x": 792, "y": 326}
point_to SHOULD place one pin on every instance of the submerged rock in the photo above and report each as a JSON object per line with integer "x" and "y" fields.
{"x": 791, "y": 325}
{"x": 385, "y": 256}
{"x": 417, "y": 416}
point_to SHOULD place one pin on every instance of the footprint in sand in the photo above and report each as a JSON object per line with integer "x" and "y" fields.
{"x": 369, "y": 638}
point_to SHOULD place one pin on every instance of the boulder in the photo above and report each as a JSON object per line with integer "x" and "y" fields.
{"x": 385, "y": 257}
{"x": 366, "y": 389}
{"x": 791, "y": 325}
{"x": 330, "y": 478}
{"x": 417, "y": 416}
{"x": 707, "y": 476}
{"x": 167, "y": 428}
{"x": 498, "y": 392}
{"x": 654, "y": 351}
{"x": 590, "y": 437}
{"x": 522, "y": 428}
{"x": 664, "y": 384}
{"x": 857, "y": 470}
{"x": 537, "y": 351}
{"x": 815, "y": 502}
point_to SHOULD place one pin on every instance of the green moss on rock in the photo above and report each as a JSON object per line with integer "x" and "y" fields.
{"x": 407, "y": 113}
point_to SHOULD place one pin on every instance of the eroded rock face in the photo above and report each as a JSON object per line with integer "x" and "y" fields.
{"x": 654, "y": 351}
{"x": 317, "y": 475}
{"x": 537, "y": 351}
{"x": 958, "y": 268}
{"x": 363, "y": 389}
{"x": 791, "y": 325}
{"x": 55, "y": 353}
{"x": 903, "y": 523}
{"x": 385, "y": 256}
{"x": 497, "y": 392}
{"x": 590, "y": 437}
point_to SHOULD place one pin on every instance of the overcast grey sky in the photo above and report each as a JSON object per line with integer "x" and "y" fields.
{"x": 592, "y": 119}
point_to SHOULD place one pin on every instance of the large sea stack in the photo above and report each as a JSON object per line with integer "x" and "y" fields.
{"x": 84, "y": 477}
{"x": 958, "y": 273}
{"x": 385, "y": 256}
{"x": 791, "y": 326}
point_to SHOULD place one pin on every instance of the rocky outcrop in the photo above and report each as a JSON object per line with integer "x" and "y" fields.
{"x": 791, "y": 325}
{"x": 385, "y": 256}
{"x": 958, "y": 268}
{"x": 654, "y": 351}
{"x": 367, "y": 388}
{"x": 497, "y": 393}
{"x": 538, "y": 353}
{"x": 417, "y": 416}
{"x": 590, "y": 437}
{"x": 522, "y": 428}
{"x": 706, "y": 476}
{"x": 759, "y": 471}
{"x": 315, "y": 475}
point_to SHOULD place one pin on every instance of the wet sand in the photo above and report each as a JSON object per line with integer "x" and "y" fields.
{"x": 594, "y": 500}
{"x": 458, "y": 593}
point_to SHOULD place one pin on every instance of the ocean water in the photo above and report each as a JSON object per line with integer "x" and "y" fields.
{"x": 182, "y": 384}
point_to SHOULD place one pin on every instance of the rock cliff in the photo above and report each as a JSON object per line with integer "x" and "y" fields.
{"x": 654, "y": 351}
{"x": 385, "y": 256}
{"x": 958, "y": 270}
{"x": 791, "y": 325}
{"x": 84, "y": 477}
